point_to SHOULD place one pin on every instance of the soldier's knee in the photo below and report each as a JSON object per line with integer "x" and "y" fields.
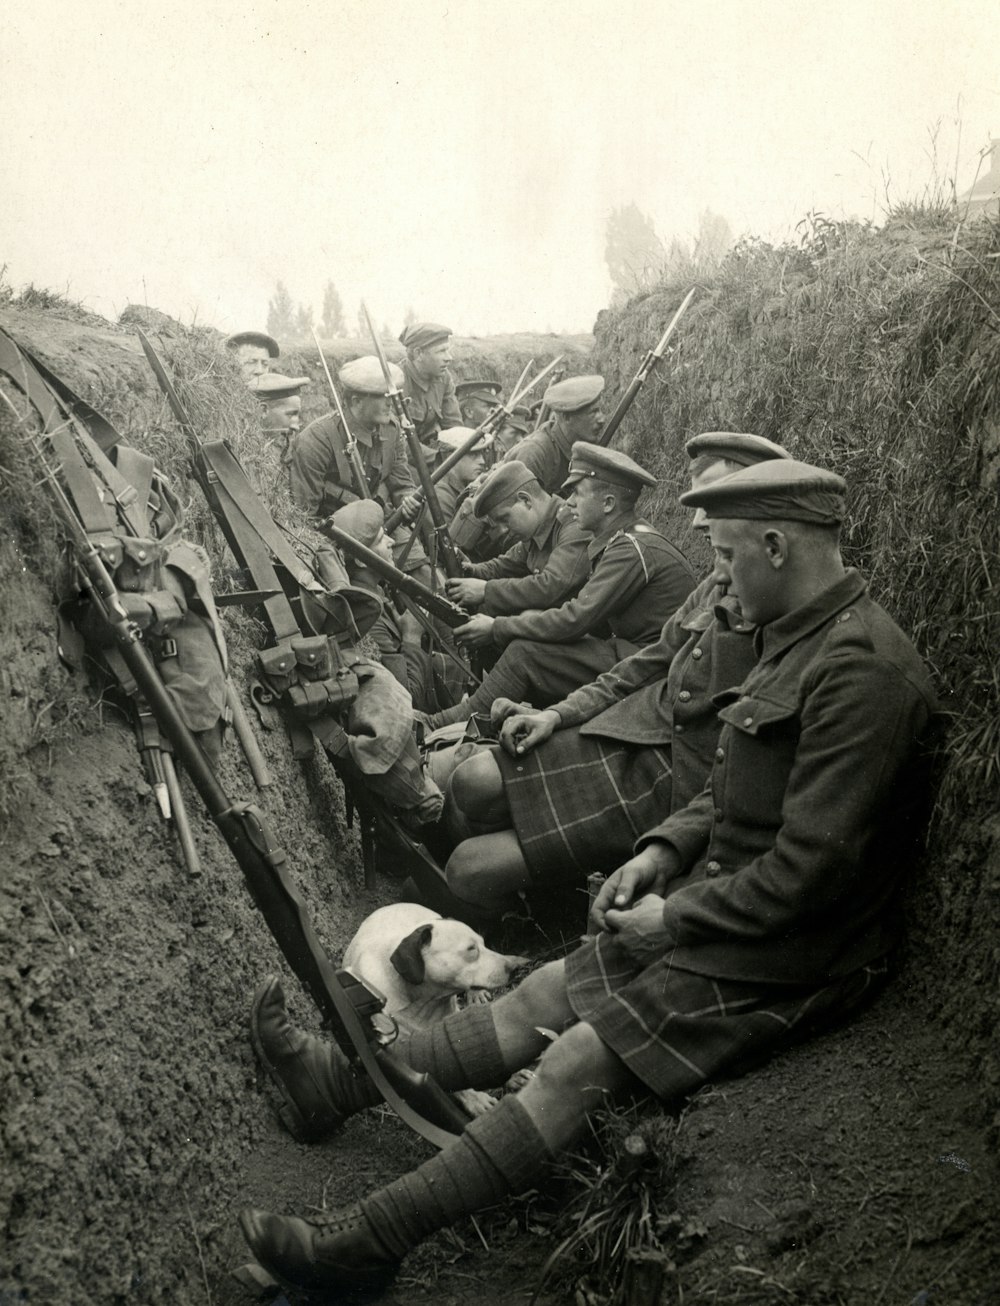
{"x": 476, "y": 783}
{"x": 579, "y": 1059}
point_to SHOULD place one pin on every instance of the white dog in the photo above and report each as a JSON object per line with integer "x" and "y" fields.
{"x": 421, "y": 961}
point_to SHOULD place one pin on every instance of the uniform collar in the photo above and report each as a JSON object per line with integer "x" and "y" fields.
{"x": 548, "y": 521}
{"x": 415, "y": 378}
{"x": 780, "y": 635}
{"x": 601, "y": 541}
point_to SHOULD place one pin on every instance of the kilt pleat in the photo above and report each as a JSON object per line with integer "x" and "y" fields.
{"x": 578, "y": 803}
{"x": 676, "y": 1029}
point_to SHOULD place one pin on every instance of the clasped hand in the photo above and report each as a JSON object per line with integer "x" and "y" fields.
{"x": 630, "y": 902}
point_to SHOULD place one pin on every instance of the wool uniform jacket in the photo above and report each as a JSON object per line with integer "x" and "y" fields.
{"x": 798, "y": 844}
{"x": 663, "y": 695}
{"x": 638, "y": 579}
{"x": 432, "y": 405}
{"x": 540, "y": 572}
{"x": 320, "y": 473}
{"x": 546, "y": 455}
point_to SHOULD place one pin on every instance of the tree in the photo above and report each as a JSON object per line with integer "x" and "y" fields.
{"x": 714, "y": 241}
{"x": 280, "y": 313}
{"x": 332, "y": 322}
{"x": 410, "y": 317}
{"x": 303, "y": 322}
{"x": 632, "y": 250}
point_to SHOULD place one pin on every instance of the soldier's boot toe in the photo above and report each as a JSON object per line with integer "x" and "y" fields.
{"x": 315, "y": 1082}
{"x": 338, "y": 1253}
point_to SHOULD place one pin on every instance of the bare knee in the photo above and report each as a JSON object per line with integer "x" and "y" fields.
{"x": 476, "y": 785}
{"x": 540, "y": 999}
{"x": 580, "y": 1061}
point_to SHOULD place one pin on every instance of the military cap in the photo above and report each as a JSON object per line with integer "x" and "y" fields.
{"x": 254, "y": 338}
{"x": 611, "y": 465}
{"x": 364, "y": 376}
{"x": 502, "y": 484}
{"x": 735, "y": 447}
{"x": 519, "y": 419}
{"x": 457, "y": 435}
{"x": 488, "y": 391}
{"x": 363, "y": 520}
{"x": 422, "y": 334}
{"x": 574, "y": 393}
{"x": 780, "y": 489}
{"x": 272, "y": 385}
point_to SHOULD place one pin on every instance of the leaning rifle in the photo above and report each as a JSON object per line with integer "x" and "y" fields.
{"x": 646, "y": 366}
{"x": 450, "y": 560}
{"x": 491, "y": 422}
{"x": 341, "y": 998}
{"x": 432, "y": 602}
{"x": 361, "y": 485}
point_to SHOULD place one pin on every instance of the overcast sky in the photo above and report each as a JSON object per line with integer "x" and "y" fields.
{"x": 456, "y": 156}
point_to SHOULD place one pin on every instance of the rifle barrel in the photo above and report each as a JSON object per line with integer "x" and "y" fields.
{"x": 436, "y": 604}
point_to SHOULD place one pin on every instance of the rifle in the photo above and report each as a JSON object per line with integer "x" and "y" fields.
{"x": 351, "y": 445}
{"x": 450, "y": 559}
{"x": 645, "y": 367}
{"x": 491, "y": 422}
{"x": 432, "y": 602}
{"x": 342, "y": 999}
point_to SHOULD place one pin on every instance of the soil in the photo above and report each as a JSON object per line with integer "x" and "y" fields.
{"x": 853, "y": 1170}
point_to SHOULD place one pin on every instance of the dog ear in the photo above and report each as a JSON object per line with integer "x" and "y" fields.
{"x": 409, "y": 955}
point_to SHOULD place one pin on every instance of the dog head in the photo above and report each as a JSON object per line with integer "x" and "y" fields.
{"x": 448, "y": 956}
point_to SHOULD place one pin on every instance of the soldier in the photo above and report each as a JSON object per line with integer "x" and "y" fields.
{"x": 764, "y": 910}
{"x": 452, "y": 486}
{"x": 321, "y": 472}
{"x": 281, "y": 399}
{"x": 637, "y": 580}
{"x": 573, "y": 783}
{"x": 576, "y": 416}
{"x": 253, "y": 351}
{"x": 514, "y": 429}
{"x": 428, "y": 386}
{"x": 547, "y": 564}
{"x": 477, "y": 399}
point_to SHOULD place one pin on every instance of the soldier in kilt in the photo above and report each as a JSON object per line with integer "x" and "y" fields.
{"x": 764, "y": 909}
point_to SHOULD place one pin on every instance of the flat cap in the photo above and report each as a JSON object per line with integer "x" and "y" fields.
{"x": 419, "y": 335}
{"x": 574, "y": 393}
{"x": 777, "y": 490}
{"x": 488, "y": 391}
{"x": 254, "y": 338}
{"x": 457, "y": 435}
{"x": 735, "y": 447}
{"x": 364, "y": 376}
{"x": 611, "y": 465}
{"x": 502, "y": 484}
{"x": 518, "y": 419}
{"x": 272, "y": 385}
{"x": 363, "y": 520}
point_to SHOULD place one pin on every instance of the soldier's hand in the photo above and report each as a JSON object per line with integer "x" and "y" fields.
{"x": 524, "y": 731}
{"x": 477, "y": 632}
{"x": 410, "y": 507}
{"x": 641, "y": 929}
{"x": 469, "y": 591}
{"x": 647, "y": 872}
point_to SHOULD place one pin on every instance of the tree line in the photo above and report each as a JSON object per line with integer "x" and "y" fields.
{"x": 289, "y": 321}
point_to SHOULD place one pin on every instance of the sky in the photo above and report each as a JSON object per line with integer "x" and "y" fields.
{"x": 456, "y": 157}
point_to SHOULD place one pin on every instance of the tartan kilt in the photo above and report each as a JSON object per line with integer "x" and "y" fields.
{"x": 675, "y": 1029}
{"x": 578, "y": 803}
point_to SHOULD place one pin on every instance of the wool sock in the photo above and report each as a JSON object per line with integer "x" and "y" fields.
{"x": 499, "y": 1153}
{"x": 461, "y": 1051}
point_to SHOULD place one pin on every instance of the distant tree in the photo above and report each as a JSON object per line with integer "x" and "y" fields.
{"x": 387, "y": 332}
{"x": 303, "y": 322}
{"x": 362, "y": 324}
{"x": 632, "y": 250}
{"x": 281, "y": 313}
{"x": 714, "y": 240}
{"x": 332, "y": 322}
{"x": 410, "y": 316}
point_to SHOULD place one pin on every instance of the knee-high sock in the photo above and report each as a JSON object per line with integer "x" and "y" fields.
{"x": 499, "y": 1153}
{"x": 461, "y": 1051}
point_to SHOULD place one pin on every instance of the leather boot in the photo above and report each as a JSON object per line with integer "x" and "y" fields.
{"x": 339, "y": 1253}
{"x": 318, "y": 1088}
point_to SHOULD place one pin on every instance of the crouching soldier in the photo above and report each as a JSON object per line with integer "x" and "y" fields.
{"x": 741, "y": 922}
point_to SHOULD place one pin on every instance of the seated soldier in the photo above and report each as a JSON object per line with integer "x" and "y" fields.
{"x": 428, "y": 385}
{"x": 281, "y": 399}
{"x": 638, "y": 579}
{"x": 575, "y": 415}
{"x": 765, "y": 909}
{"x": 547, "y": 564}
{"x": 477, "y": 399}
{"x": 434, "y": 680}
{"x": 515, "y": 428}
{"x": 453, "y": 484}
{"x": 574, "y": 784}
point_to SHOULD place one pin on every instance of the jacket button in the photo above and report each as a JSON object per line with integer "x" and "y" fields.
{"x": 678, "y": 729}
{"x": 685, "y": 696}
{"x": 748, "y": 720}
{"x": 712, "y": 868}
{"x": 696, "y": 653}
{"x": 720, "y": 754}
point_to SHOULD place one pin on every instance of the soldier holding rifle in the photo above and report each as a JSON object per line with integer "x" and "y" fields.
{"x": 576, "y": 415}
{"x": 428, "y": 385}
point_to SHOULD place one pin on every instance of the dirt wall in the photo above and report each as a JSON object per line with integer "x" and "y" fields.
{"x": 875, "y": 353}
